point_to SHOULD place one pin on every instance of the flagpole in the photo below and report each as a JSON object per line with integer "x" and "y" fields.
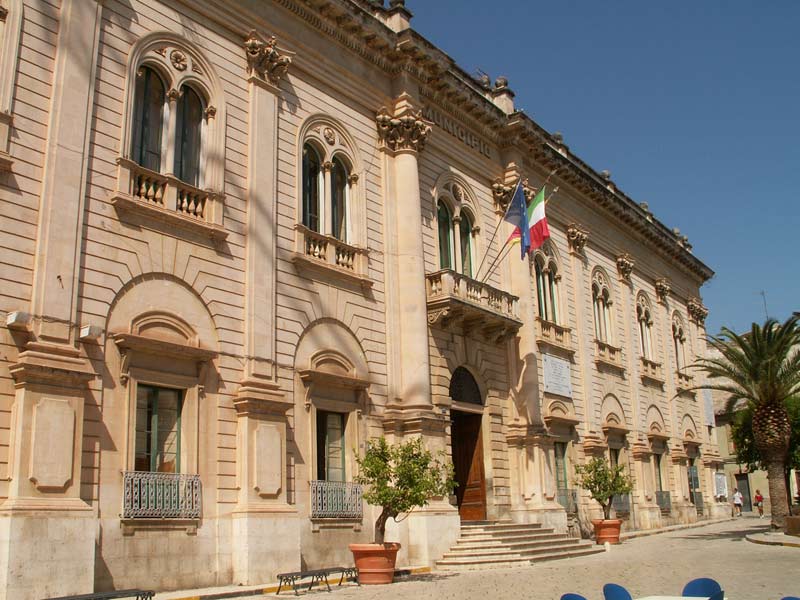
{"x": 496, "y": 229}
{"x": 494, "y": 262}
{"x": 499, "y": 259}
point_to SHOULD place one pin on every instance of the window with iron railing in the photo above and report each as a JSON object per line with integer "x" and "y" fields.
{"x": 335, "y": 500}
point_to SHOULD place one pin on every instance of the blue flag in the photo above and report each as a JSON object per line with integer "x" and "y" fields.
{"x": 517, "y": 215}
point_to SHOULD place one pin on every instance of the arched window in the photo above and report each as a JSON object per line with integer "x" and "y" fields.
{"x": 312, "y": 187}
{"x": 679, "y": 342}
{"x": 466, "y": 244}
{"x": 645, "y": 322}
{"x": 601, "y": 302}
{"x": 188, "y": 136}
{"x": 547, "y": 289}
{"x": 148, "y": 118}
{"x": 339, "y": 197}
{"x": 445, "y": 236}
{"x": 464, "y": 388}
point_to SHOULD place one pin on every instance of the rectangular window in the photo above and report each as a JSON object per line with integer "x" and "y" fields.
{"x": 613, "y": 456}
{"x": 657, "y": 468}
{"x": 330, "y": 446}
{"x": 158, "y": 429}
{"x": 561, "y": 465}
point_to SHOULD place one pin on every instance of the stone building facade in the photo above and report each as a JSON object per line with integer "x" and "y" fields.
{"x": 240, "y": 238}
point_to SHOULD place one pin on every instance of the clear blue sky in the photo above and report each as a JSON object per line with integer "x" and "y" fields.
{"x": 693, "y": 105}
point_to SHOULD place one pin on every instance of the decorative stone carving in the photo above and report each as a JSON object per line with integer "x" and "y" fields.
{"x": 406, "y": 132}
{"x": 697, "y": 312}
{"x": 173, "y": 95}
{"x": 3, "y": 12}
{"x": 352, "y": 179}
{"x": 162, "y": 51}
{"x": 264, "y": 59}
{"x": 178, "y": 60}
{"x": 577, "y": 238}
{"x": 625, "y": 264}
{"x": 663, "y": 289}
{"x": 329, "y": 135}
{"x": 210, "y": 112}
{"x": 501, "y": 193}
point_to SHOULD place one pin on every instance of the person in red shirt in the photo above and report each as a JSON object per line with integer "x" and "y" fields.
{"x": 760, "y": 504}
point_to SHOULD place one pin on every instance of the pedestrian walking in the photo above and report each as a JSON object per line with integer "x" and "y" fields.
{"x": 737, "y": 501}
{"x": 760, "y": 504}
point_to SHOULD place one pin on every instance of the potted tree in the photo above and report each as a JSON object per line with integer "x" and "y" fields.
{"x": 603, "y": 482}
{"x": 397, "y": 478}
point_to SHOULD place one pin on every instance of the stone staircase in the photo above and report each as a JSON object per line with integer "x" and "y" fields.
{"x": 488, "y": 544}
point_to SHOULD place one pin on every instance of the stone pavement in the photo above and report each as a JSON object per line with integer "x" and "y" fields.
{"x": 658, "y": 564}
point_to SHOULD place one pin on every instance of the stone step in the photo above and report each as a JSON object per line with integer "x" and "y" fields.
{"x": 510, "y": 537}
{"x": 516, "y": 546}
{"x": 498, "y": 525}
{"x": 502, "y": 533}
{"x": 513, "y": 552}
{"x": 464, "y": 564}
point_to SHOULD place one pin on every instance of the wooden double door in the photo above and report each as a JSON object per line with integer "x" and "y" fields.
{"x": 467, "y": 447}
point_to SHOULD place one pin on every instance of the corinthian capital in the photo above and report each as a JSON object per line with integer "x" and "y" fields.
{"x": 264, "y": 59}
{"x": 406, "y": 131}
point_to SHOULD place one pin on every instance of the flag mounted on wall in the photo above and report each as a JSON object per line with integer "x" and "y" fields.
{"x": 538, "y": 231}
{"x": 517, "y": 215}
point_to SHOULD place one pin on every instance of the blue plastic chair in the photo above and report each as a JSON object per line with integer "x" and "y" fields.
{"x": 612, "y": 591}
{"x": 572, "y": 597}
{"x": 720, "y": 595}
{"x": 790, "y": 598}
{"x": 702, "y": 587}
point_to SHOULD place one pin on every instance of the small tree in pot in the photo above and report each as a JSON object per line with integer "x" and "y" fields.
{"x": 398, "y": 479}
{"x": 603, "y": 482}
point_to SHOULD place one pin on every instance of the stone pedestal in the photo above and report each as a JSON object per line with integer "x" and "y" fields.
{"x": 263, "y": 545}
{"x": 432, "y": 531}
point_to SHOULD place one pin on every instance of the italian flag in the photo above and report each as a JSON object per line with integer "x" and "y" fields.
{"x": 537, "y": 221}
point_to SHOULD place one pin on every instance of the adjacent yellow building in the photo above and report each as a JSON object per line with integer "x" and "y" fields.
{"x": 241, "y": 238}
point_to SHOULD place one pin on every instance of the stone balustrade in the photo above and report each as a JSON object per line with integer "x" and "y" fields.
{"x": 458, "y": 300}
{"x": 608, "y": 355}
{"x": 168, "y": 199}
{"x": 553, "y": 334}
{"x": 651, "y": 370}
{"x": 318, "y": 249}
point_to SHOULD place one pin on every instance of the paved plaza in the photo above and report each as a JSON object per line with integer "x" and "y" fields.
{"x": 652, "y": 565}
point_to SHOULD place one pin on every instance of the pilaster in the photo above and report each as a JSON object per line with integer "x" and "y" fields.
{"x": 58, "y": 247}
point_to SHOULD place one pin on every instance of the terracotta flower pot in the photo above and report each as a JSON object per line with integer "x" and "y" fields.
{"x": 607, "y": 530}
{"x": 375, "y": 562}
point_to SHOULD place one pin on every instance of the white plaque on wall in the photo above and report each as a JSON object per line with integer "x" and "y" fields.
{"x": 557, "y": 375}
{"x": 721, "y": 485}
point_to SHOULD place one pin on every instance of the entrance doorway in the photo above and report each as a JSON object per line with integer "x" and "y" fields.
{"x": 468, "y": 465}
{"x": 743, "y": 483}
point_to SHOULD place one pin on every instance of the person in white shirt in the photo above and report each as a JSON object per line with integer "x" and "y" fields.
{"x": 737, "y": 501}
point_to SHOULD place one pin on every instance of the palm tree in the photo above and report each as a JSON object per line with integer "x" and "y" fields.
{"x": 761, "y": 368}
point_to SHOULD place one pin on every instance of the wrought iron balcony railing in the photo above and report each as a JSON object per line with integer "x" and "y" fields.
{"x": 568, "y": 498}
{"x": 621, "y": 504}
{"x": 697, "y": 500}
{"x": 335, "y": 500}
{"x": 664, "y": 501}
{"x": 151, "y": 495}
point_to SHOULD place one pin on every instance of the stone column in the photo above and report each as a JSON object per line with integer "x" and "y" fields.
{"x": 432, "y": 530}
{"x": 50, "y": 374}
{"x": 403, "y": 133}
{"x": 262, "y": 511}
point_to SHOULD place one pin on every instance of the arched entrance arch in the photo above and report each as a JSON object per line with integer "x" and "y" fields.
{"x": 466, "y": 415}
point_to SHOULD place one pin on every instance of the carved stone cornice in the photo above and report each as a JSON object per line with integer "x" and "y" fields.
{"x": 264, "y": 59}
{"x": 407, "y": 131}
{"x": 625, "y": 264}
{"x": 697, "y": 312}
{"x": 663, "y": 289}
{"x": 577, "y": 237}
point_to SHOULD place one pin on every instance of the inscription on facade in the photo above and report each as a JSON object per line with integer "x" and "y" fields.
{"x": 557, "y": 379}
{"x": 456, "y": 130}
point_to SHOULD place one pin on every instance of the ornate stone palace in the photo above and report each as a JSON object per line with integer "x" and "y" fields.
{"x": 240, "y": 238}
